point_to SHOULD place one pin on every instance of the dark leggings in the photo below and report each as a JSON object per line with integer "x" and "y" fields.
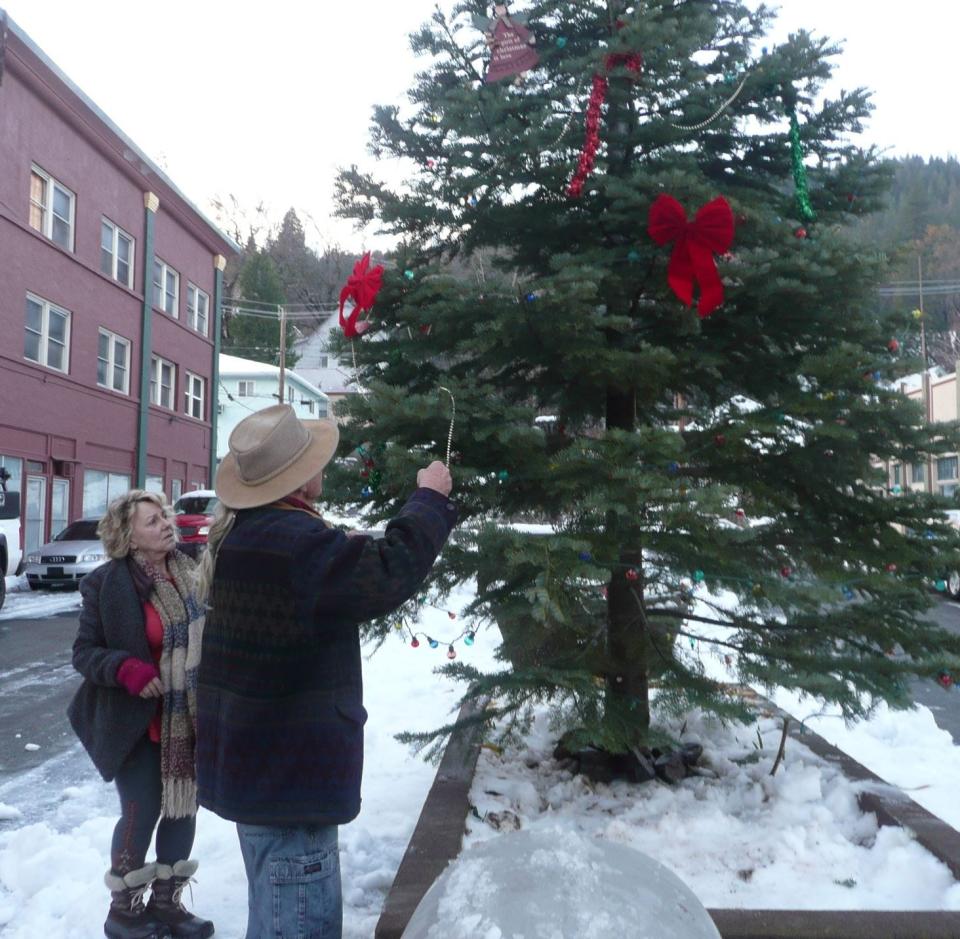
{"x": 138, "y": 783}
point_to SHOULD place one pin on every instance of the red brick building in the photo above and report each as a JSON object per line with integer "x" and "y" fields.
{"x": 110, "y": 289}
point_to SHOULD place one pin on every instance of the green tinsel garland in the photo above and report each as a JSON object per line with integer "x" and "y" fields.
{"x": 804, "y": 207}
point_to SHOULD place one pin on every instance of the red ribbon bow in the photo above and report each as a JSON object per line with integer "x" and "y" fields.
{"x": 695, "y": 244}
{"x": 362, "y": 288}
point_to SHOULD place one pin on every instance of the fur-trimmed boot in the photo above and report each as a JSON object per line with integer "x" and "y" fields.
{"x": 128, "y": 917}
{"x": 166, "y": 905}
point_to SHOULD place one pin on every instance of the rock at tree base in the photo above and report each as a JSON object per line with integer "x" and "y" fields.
{"x": 541, "y": 885}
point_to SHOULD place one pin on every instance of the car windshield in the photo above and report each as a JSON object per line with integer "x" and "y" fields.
{"x": 79, "y": 531}
{"x": 196, "y": 505}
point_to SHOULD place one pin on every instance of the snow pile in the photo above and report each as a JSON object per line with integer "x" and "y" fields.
{"x": 736, "y": 835}
{"x": 547, "y": 884}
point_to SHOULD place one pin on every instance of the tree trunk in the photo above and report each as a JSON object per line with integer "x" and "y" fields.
{"x": 627, "y": 679}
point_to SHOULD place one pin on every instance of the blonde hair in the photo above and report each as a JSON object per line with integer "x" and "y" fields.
{"x": 115, "y": 528}
{"x": 223, "y": 519}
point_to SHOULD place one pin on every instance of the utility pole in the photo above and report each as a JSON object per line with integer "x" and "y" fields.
{"x": 283, "y": 349}
{"x": 927, "y": 404}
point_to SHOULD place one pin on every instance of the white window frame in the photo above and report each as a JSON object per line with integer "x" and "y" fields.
{"x": 157, "y": 395}
{"x": 246, "y": 388}
{"x": 194, "y": 395}
{"x": 194, "y": 296}
{"x": 322, "y": 410}
{"x": 941, "y": 461}
{"x": 111, "y": 361}
{"x": 324, "y": 361}
{"x": 45, "y": 207}
{"x": 162, "y": 297}
{"x": 116, "y": 234}
{"x": 46, "y": 308}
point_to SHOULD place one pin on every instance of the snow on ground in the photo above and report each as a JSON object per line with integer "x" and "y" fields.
{"x": 743, "y": 838}
{"x": 51, "y": 870}
{"x": 24, "y": 603}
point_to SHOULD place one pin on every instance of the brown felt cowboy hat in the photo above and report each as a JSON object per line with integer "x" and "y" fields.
{"x": 273, "y": 453}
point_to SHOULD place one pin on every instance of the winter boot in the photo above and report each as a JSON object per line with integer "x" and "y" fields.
{"x": 128, "y": 918}
{"x": 166, "y": 906}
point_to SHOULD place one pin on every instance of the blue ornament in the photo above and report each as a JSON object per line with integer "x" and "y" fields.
{"x": 409, "y": 274}
{"x": 468, "y": 639}
{"x": 941, "y": 585}
{"x": 561, "y": 41}
{"x": 633, "y": 256}
{"x": 531, "y": 297}
{"x": 503, "y": 476}
{"x": 848, "y": 593}
{"x": 673, "y": 468}
{"x": 366, "y": 492}
{"x": 929, "y": 535}
{"x": 433, "y": 643}
{"x": 585, "y": 556}
{"x": 877, "y": 376}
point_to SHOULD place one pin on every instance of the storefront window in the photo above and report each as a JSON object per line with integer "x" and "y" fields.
{"x": 11, "y": 471}
{"x": 99, "y": 488}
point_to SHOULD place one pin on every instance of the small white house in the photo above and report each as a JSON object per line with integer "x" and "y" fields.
{"x": 247, "y": 386}
{"x": 319, "y": 365}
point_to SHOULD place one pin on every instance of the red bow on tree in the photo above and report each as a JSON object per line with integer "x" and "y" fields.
{"x": 362, "y": 288}
{"x": 695, "y": 244}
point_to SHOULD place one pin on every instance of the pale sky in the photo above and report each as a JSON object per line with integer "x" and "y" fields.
{"x": 197, "y": 83}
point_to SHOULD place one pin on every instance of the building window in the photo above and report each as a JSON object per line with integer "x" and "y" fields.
{"x": 113, "y": 362}
{"x": 309, "y": 405}
{"x": 198, "y": 306}
{"x": 100, "y": 489}
{"x": 116, "y": 253}
{"x": 46, "y": 338}
{"x": 324, "y": 361}
{"x": 916, "y": 473}
{"x": 154, "y": 484}
{"x": 52, "y": 208}
{"x": 194, "y": 393}
{"x": 946, "y": 468}
{"x": 11, "y": 473}
{"x": 948, "y": 489}
{"x": 290, "y": 394}
{"x": 896, "y": 474}
{"x": 246, "y": 389}
{"x": 321, "y": 409}
{"x": 166, "y": 288}
{"x": 163, "y": 376}
{"x": 176, "y": 489}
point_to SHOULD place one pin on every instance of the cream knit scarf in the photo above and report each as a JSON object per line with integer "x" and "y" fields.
{"x": 182, "y": 618}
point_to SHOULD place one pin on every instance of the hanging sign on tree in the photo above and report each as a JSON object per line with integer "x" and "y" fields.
{"x": 362, "y": 288}
{"x": 511, "y": 44}
{"x": 694, "y": 245}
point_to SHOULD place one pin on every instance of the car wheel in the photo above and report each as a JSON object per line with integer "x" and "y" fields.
{"x": 953, "y": 584}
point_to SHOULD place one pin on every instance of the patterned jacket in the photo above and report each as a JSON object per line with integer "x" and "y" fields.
{"x": 280, "y": 691}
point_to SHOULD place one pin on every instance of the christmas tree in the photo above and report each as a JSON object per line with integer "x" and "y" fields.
{"x": 619, "y": 453}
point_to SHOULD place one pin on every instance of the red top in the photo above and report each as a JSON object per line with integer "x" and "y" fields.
{"x": 154, "y": 626}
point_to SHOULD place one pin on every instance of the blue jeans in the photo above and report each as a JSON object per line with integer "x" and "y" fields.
{"x": 293, "y": 882}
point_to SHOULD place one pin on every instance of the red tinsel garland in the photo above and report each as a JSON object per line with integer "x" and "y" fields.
{"x": 633, "y": 62}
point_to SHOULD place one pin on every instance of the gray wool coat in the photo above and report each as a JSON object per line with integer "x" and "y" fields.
{"x": 108, "y": 720}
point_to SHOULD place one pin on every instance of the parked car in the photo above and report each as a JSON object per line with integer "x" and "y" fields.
{"x": 9, "y": 536}
{"x": 194, "y": 516}
{"x": 66, "y": 560}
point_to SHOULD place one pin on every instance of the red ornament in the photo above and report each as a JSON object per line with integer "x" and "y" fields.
{"x": 451, "y": 653}
{"x": 632, "y": 575}
{"x": 364, "y": 473}
{"x": 362, "y": 288}
{"x": 945, "y": 680}
{"x": 891, "y": 568}
{"x": 893, "y": 345}
{"x": 720, "y": 440}
{"x": 604, "y": 591}
{"x": 785, "y": 572}
{"x": 694, "y": 244}
{"x": 740, "y": 513}
{"x": 800, "y": 233}
{"x": 415, "y": 642}
{"x": 451, "y": 614}
{"x": 425, "y": 328}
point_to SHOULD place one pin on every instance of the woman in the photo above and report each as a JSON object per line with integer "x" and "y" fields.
{"x": 138, "y": 648}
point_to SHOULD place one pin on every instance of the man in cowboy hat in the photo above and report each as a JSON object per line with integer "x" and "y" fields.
{"x": 280, "y": 705}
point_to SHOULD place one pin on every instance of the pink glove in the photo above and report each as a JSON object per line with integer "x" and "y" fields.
{"x": 134, "y": 675}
